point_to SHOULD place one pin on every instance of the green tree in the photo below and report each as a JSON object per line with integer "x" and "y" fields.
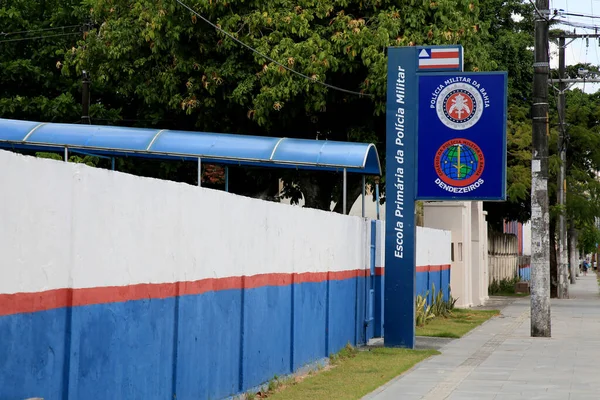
{"x": 155, "y": 61}
{"x": 35, "y": 36}
{"x": 510, "y": 44}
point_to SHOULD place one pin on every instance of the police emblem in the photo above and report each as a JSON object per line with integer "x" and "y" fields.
{"x": 459, "y": 163}
{"x": 459, "y": 106}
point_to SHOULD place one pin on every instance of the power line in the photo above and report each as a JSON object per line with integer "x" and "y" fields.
{"x": 539, "y": 13}
{"x": 39, "y": 37}
{"x": 581, "y": 15}
{"x": 39, "y": 30}
{"x": 229, "y": 35}
{"x": 579, "y": 25}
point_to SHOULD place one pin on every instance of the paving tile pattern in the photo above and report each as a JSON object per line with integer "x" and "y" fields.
{"x": 500, "y": 361}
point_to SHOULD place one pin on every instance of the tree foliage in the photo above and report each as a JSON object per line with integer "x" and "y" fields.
{"x": 156, "y": 61}
{"x": 510, "y": 44}
{"x": 156, "y": 64}
{"x": 31, "y": 83}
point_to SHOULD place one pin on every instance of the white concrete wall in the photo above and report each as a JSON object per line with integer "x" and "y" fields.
{"x": 433, "y": 247}
{"x": 65, "y": 225}
{"x": 479, "y": 265}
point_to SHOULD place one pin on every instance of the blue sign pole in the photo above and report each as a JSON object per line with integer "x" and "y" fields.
{"x": 400, "y": 192}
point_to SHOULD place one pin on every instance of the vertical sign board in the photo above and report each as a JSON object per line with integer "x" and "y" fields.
{"x": 401, "y": 171}
{"x": 400, "y": 191}
{"x": 451, "y": 128}
{"x": 462, "y": 136}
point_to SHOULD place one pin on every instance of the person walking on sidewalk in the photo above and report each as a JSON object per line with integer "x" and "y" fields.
{"x": 586, "y": 265}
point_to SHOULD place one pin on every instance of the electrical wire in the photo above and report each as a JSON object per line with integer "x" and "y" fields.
{"x": 39, "y": 37}
{"x": 229, "y": 35}
{"x": 39, "y": 30}
{"x": 537, "y": 11}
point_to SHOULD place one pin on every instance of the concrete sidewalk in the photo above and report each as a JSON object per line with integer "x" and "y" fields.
{"x": 499, "y": 360}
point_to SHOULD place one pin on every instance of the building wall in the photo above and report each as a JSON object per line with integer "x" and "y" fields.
{"x": 522, "y": 232}
{"x": 116, "y": 286}
{"x": 433, "y": 260}
{"x": 479, "y": 264}
{"x": 504, "y": 257}
{"x": 456, "y": 218}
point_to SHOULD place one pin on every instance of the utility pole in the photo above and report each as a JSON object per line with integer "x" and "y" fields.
{"x": 85, "y": 98}
{"x": 540, "y": 239}
{"x": 563, "y": 260}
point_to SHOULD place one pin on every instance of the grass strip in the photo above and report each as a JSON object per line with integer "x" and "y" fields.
{"x": 457, "y": 324}
{"x": 351, "y": 375}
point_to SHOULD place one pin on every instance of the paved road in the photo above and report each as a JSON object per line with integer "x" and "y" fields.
{"x": 499, "y": 360}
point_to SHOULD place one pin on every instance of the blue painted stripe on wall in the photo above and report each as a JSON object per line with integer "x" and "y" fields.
{"x": 193, "y": 343}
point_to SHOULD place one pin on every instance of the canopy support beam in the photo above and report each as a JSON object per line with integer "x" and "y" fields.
{"x": 199, "y": 171}
{"x": 226, "y": 178}
{"x": 363, "y": 196}
{"x": 344, "y": 193}
{"x": 377, "y": 196}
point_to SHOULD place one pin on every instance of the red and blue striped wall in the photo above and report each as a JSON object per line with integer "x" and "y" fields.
{"x": 434, "y": 268}
{"x": 114, "y": 286}
{"x": 107, "y": 291}
{"x": 203, "y": 339}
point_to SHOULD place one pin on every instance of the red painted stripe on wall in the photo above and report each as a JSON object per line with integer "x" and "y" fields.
{"x": 18, "y": 303}
{"x": 433, "y": 268}
{"x": 379, "y": 271}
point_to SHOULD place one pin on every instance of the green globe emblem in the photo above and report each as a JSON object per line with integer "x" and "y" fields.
{"x": 459, "y": 162}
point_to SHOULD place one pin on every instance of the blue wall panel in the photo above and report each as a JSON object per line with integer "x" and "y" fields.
{"x": 525, "y": 273}
{"x": 435, "y": 282}
{"x": 209, "y": 345}
{"x": 379, "y": 305}
{"x": 123, "y": 350}
{"x": 266, "y": 334}
{"x": 426, "y": 281}
{"x": 422, "y": 283}
{"x": 342, "y": 314}
{"x": 446, "y": 283}
{"x": 360, "y": 313}
{"x": 32, "y": 355}
{"x": 310, "y": 321}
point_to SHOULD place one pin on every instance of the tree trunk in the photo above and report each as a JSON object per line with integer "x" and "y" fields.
{"x": 420, "y": 213}
{"x": 316, "y": 191}
{"x": 553, "y": 261}
{"x": 354, "y": 191}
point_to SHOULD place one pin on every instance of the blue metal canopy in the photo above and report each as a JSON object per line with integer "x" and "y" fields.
{"x": 209, "y": 147}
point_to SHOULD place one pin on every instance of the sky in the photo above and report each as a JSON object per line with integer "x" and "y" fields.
{"x": 577, "y": 51}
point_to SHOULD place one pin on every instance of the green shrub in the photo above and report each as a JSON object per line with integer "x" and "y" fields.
{"x": 423, "y": 311}
{"x": 438, "y": 307}
{"x": 506, "y": 285}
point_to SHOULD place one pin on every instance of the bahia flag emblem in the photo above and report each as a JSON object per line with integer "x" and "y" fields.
{"x": 440, "y": 58}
